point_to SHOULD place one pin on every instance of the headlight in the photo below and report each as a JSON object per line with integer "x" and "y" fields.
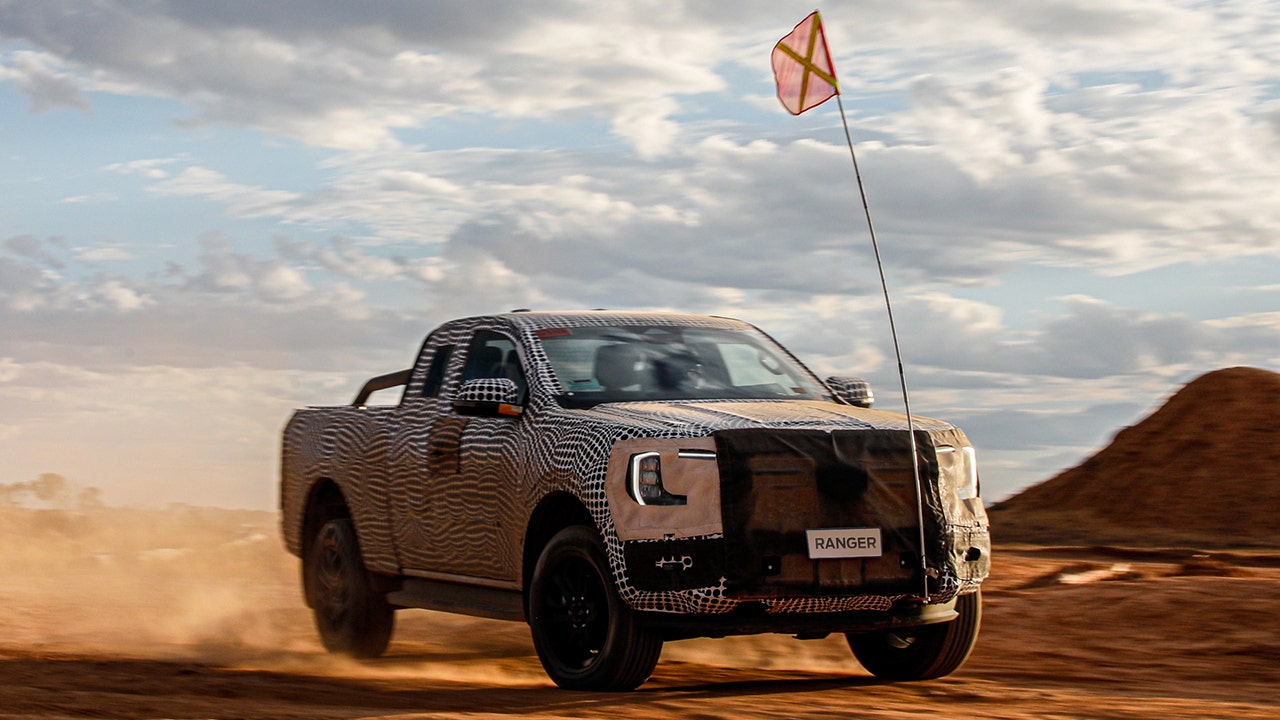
{"x": 644, "y": 481}
{"x": 969, "y": 480}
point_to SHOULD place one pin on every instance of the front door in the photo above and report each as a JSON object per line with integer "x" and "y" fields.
{"x": 460, "y": 517}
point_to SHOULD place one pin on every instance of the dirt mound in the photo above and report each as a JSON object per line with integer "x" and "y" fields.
{"x": 1202, "y": 470}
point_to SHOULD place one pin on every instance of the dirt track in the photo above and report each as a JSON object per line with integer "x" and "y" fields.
{"x": 196, "y": 614}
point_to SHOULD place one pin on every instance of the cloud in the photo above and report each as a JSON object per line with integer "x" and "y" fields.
{"x": 242, "y": 200}
{"x": 91, "y": 198}
{"x": 1095, "y": 340}
{"x": 37, "y": 76}
{"x": 105, "y": 253}
{"x": 338, "y": 79}
{"x": 987, "y": 127}
{"x": 42, "y": 251}
{"x": 25, "y": 287}
{"x": 1026, "y": 170}
{"x": 117, "y": 295}
{"x": 1254, "y": 338}
{"x": 648, "y": 126}
{"x": 9, "y": 370}
{"x": 150, "y": 168}
{"x": 942, "y": 331}
{"x": 1083, "y": 134}
{"x": 1087, "y": 339}
{"x": 230, "y": 307}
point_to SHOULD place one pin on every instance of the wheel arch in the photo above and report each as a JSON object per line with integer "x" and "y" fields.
{"x": 325, "y": 502}
{"x": 555, "y": 512}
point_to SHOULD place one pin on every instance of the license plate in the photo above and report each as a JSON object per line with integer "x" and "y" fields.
{"x": 826, "y": 543}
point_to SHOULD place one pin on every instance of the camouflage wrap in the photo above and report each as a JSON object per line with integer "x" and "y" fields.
{"x": 431, "y": 490}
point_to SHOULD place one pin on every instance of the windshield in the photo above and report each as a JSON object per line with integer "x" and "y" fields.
{"x": 624, "y": 364}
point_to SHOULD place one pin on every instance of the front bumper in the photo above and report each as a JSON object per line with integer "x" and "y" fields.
{"x": 776, "y": 484}
{"x": 750, "y": 618}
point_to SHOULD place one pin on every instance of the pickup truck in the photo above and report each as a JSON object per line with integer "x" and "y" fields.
{"x": 617, "y": 480}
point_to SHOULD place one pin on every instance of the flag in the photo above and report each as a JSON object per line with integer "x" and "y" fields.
{"x": 802, "y": 66}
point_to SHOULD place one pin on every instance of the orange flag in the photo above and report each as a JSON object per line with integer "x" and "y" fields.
{"x": 802, "y": 66}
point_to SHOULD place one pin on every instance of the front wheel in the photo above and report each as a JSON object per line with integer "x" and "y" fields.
{"x": 921, "y": 653}
{"x": 352, "y": 617}
{"x": 586, "y": 636}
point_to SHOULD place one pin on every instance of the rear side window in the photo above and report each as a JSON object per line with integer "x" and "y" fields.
{"x": 435, "y": 373}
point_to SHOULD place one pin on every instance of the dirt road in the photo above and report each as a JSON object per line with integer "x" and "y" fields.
{"x": 196, "y": 614}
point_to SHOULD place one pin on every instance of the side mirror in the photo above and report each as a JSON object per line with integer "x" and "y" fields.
{"x": 851, "y": 390}
{"x": 488, "y": 396}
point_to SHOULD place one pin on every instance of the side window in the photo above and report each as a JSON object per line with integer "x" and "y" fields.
{"x": 435, "y": 373}
{"x": 493, "y": 355}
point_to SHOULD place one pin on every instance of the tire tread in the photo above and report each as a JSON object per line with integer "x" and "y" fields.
{"x": 368, "y": 632}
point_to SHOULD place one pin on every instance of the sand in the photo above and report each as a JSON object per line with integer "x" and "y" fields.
{"x": 196, "y": 614}
{"x": 1143, "y": 584}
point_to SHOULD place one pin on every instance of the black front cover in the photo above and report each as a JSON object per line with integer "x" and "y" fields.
{"x": 776, "y": 484}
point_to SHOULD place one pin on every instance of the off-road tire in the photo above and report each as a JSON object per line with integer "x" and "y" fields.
{"x": 352, "y": 617}
{"x": 586, "y": 636}
{"x": 921, "y": 653}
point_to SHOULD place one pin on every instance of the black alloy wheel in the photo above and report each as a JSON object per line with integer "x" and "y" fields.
{"x": 586, "y": 636}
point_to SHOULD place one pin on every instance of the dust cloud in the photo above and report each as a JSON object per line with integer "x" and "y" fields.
{"x": 187, "y": 581}
{"x": 215, "y": 585}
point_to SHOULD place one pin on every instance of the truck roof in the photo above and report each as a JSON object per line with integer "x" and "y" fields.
{"x": 534, "y": 320}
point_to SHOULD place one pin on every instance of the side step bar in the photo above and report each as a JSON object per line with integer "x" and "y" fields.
{"x": 462, "y": 599}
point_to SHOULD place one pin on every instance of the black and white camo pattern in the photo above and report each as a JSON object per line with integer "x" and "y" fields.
{"x": 429, "y": 490}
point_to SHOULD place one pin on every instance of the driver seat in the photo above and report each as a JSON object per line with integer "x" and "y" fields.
{"x": 619, "y": 366}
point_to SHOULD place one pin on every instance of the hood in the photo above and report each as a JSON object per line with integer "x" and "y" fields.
{"x": 696, "y": 418}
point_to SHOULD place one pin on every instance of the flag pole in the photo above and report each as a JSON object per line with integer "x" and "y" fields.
{"x": 897, "y": 351}
{"x": 805, "y": 48}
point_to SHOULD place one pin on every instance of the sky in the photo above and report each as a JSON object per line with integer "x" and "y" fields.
{"x": 212, "y": 213}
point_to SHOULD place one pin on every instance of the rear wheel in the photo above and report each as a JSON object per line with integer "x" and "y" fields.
{"x": 586, "y": 636}
{"x": 352, "y": 617}
{"x": 921, "y": 653}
